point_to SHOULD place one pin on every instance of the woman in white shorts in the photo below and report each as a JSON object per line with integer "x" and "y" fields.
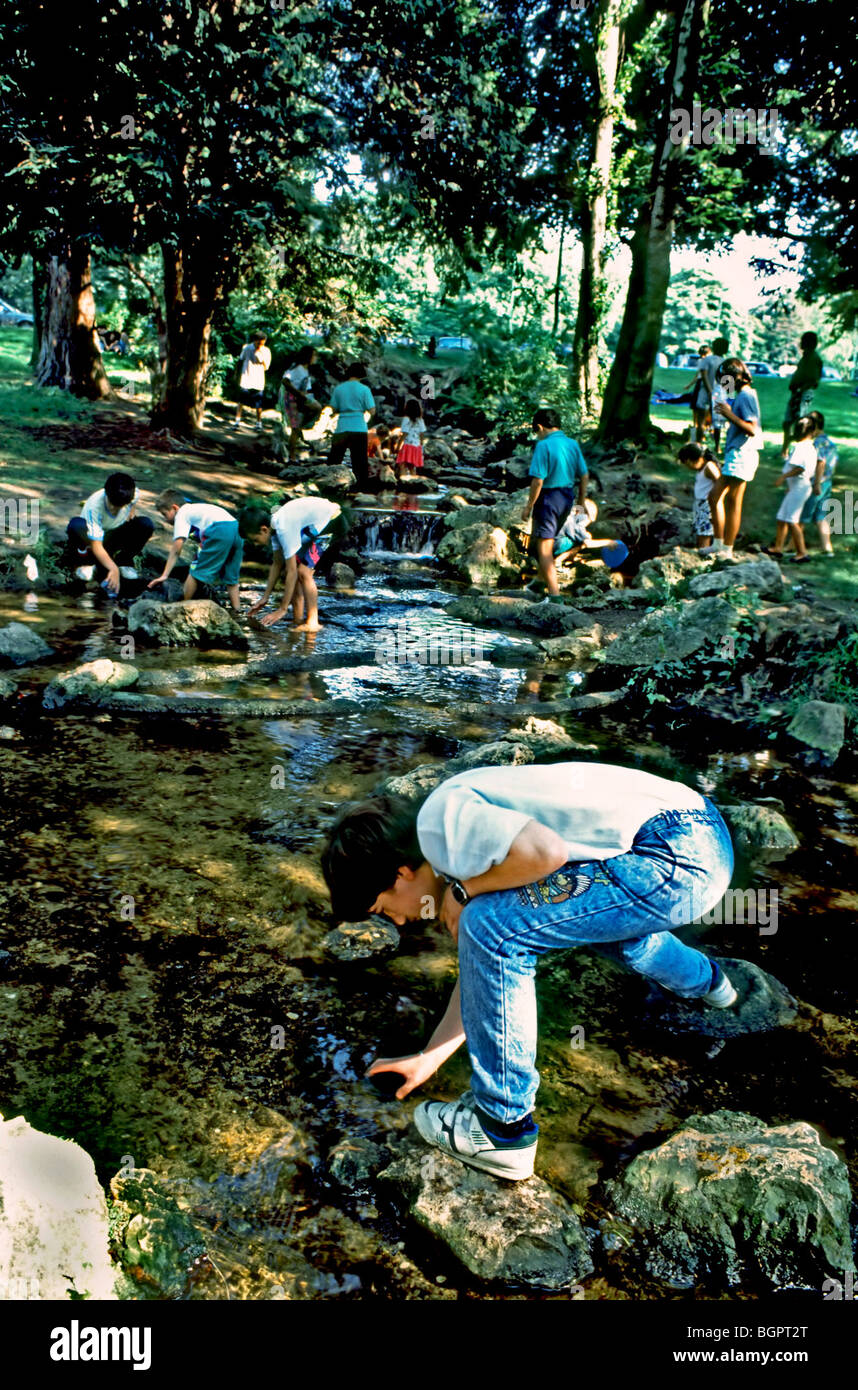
{"x": 741, "y": 456}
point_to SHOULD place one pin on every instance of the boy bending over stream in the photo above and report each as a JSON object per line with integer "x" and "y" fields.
{"x": 517, "y": 861}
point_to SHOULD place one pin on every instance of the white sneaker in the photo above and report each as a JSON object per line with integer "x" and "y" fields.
{"x": 85, "y": 572}
{"x": 128, "y": 572}
{"x": 454, "y": 1127}
{"x": 722, "y": 995}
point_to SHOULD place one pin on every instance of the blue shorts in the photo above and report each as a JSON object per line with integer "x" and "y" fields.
{"x": 553, "y": 505}
{"x": 251, "y": 398}
{"x": 816, "y": 506}
{"x": 220, "y": 554}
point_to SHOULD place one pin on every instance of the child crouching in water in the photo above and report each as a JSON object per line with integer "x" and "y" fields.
{"x": 410, "y": 454}
{"x": 798, "y": 474}
{"x": 221, "y": 547}
{"x": 704, "y": 464}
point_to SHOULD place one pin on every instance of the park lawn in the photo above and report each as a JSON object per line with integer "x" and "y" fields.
{"x": 837, "y": 578}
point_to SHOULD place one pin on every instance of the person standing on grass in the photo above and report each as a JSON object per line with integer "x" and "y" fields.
{"x": 802, "y": 385}
{"x": 254, "y": 361}
{"x": 701, "y": 396}
{"x": 352, "y": 402}
{"x": 798, "y": 474}
{"x": 710, "y": 378}
{"x": 741, "y": 456}
{"x": 559, "y": 480}
{"x": 816, "y": 508}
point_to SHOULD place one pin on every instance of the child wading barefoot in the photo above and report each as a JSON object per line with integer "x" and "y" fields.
{"x": 798, "y": 474}
{"x": 516, "y": 862}
{"x": 299, "y": 532}
{"x": 704, "y": 465}
{"x": 413, "y": 433}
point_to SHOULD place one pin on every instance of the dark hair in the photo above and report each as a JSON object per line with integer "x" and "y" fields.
{"x": 720, "y": 345}
{"x": 803, "y": 428}
{"x": 119, "y": 489}
{"x": 818, "y": 419}
{"x": 807, "y": 341}
{"x": 253, "y": 517}
{"x": 549, "y": 419}
{"x": 303, "y": 357}
{"x": 704, "y": 350}
{"x": 382, "y": 431}
{"x": 734, "y": 367}
{"x": 258, "y": 337}
{"x": 413, "y": 409}
{"x": 690, "y": 453}
{"x": 366, "y": 848}
{"x": 355, "y": 369}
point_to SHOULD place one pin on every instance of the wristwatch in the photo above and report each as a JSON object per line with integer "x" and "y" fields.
{"x": 459, "y": 891}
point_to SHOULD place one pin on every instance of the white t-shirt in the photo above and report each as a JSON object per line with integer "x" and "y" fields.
{"x": 288, "y": 521}
{"x": 702, "y": 484}
{"x": 412, "y": 430}
{"x": 253, "y": 373}
{"x": 709, "y": 367}
{"x": 802, "y": 455}
{"x": 300, "y": 378}
{"x": 196, "y": 516}
{"x": 98, "y": 519}
{"x": 468, "y": 823}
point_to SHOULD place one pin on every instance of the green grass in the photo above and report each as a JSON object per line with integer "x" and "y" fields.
{"x": 837, "y": 578}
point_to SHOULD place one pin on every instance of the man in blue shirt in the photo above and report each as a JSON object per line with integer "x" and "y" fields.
{"x": 351, "y": 400}
{"x": 559, "y": 480}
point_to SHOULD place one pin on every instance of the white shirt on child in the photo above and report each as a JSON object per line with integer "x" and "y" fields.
{"x": 702, "y": 484}
{"x": 468, "y": 823}
{"x": 289, "y": 521}
{"x": 300, "y": 378}
{"x": 98, "y": 519}
{"x": 197, "y": 516}
{"x": 802, "y": 455}
{"x": 412, "y": 430}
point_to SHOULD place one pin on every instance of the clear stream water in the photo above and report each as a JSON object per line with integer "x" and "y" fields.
{"x": 163, "y": 913}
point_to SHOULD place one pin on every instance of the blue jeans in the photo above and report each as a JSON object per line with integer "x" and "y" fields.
{"x": 679, "y": 861}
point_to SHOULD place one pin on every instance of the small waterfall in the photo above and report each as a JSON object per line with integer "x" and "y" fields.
{"x": 405, "y": 533}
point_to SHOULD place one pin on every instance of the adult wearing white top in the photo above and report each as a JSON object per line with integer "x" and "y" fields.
{"x": 515, "y": 862}
{"x": 296, "y": 394}
{"x": 254, "y": 361}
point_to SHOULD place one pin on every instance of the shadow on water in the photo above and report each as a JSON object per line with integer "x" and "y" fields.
{"x": 164, "y": 993}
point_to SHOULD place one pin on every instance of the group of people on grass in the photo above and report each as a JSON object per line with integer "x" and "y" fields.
{"x": 810, "y": 456}
{"x": 351, "y": 401}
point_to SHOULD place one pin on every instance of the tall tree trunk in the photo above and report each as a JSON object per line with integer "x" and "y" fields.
{"x": 594, "y": 217}
{"x": 625, "y": 412}
{"x": 41, "y": 284}
{"x": 69, "y": 355}
{"x": 190, "y": 297}
{"x": 558, "y": 282}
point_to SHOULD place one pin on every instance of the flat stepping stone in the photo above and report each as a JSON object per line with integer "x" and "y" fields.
{"x": 763, "y": 1005}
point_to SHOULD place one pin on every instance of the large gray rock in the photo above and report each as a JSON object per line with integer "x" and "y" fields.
{"x": 580, "y": 645}
{"x": 341, "y": 577}
{"x": 820, "y": 728}
{"x": 762, "y": 576}
{"x": 759, "y": 827}
{"x": 91, "y": 681}
{"x": 53, "y": 1218}
{"x": 523, "y": 1232}
{"x": 729, "y": 1196}
{"x": 198, "y": 623}
{"x": 20, "y": 645}
{"x": 763, "y": 1003}
{"x": 671, "y": 568}
{"x": 672, "y": 634}
{"x": 543, "y": 737}
{"x": 662, "y": 524}
{"x": 480, "y": 554}
{"x": 518, "y": 614}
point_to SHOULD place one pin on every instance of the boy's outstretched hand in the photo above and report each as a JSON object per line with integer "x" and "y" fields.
{"x": 415, "y": 1069}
